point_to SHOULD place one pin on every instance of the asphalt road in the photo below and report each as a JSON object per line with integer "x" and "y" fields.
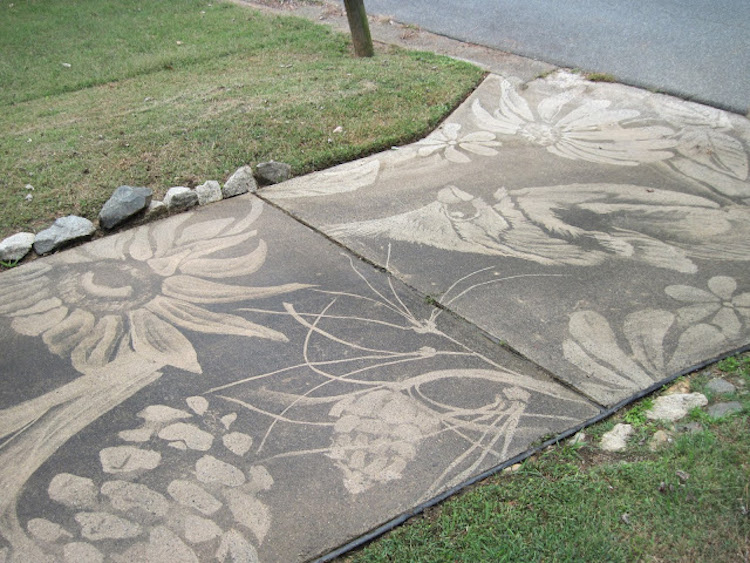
{"x": 696, "y": 49}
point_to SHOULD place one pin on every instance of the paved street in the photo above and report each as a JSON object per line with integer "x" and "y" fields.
{"x": 691, "y": 48}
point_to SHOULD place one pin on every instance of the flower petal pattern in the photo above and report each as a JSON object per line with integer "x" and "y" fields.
{"x": 590, "y": 131}
{"x": 160, "y": 342}
{"x": 191, "y": 317}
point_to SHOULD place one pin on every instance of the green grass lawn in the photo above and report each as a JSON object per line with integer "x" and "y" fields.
{"x": 688, "y": 502}
{"x": 99, "y": 93}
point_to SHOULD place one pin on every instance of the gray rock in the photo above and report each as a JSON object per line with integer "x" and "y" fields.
{"x": 722, "y": 409}
{"x": 209, "y": 192}
{"x": 63, "y": 231}
{"x": 180, "y": 198}
{"x": 240, "y": 182}
{"x": 125, "y": 202}
{"x": 674, "y": 407}
{"x": 16, "y": 247}
{"x": 616, "y": 439}
{"x": 273, "y": 172}
{"x": 720, "y": 386}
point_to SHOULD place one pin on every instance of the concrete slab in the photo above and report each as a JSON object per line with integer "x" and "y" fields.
{"x": 228, "y": 385}
{"x": 598, "y": 229}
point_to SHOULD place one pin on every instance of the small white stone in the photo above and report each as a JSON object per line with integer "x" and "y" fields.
{"x": 73, "y": 491}
{"x": 676, "y": 406}
{"x": 616, "y": 439}
{"x": 241, "y": 182}
{"x": 208, "y": 469}
{"x": 102, "y": 526}
{"x": 209, "y": 192}
{"x": 46, "y": 531}
{"x": 16, "y": 246}
{"x": 180, "y": 198}
{"x": 124, "y": 459}
{"x": 237, "y": 442}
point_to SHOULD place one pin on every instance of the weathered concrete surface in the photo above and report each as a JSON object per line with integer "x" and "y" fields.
{"x": 598, "y": 229}
{"x": 226, "y": 382}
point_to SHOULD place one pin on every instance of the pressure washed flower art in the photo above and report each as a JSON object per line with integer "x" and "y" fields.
{"x": 377, "y": 435}
{"x": 447, "y": 141}
{"x": 198, "y": 507}
{"x": 719, "y": 306}
{"x": 660, "y": 341}
{"x": 573, "y": 127}
{"x": 121, "y": 310}
{"x": 712, "y": 146}
{"x": 140, "y": 292}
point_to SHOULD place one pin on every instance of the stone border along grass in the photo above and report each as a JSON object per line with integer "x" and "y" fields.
{"x": 131, "y": 206}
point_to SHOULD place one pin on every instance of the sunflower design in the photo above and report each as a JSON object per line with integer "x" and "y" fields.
{"x": 590, "y": 130}
{"x": 119, "y": 308}
{"x": 139, "y": 291}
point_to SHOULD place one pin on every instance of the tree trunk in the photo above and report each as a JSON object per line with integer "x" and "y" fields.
{"x": 355, "y": 13}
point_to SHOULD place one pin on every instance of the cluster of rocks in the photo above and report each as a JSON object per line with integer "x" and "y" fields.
{"x": 671, "y": 408}
{"x": 129, "y": 203}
